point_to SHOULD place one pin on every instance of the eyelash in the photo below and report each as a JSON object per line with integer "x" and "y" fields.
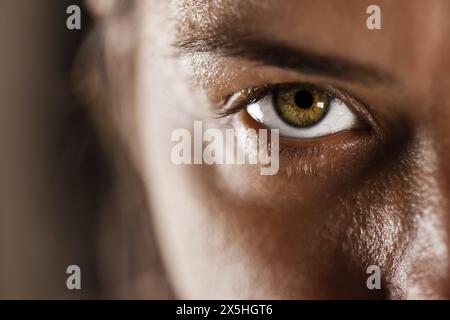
{"x": 252, "y": 95}
{"x": 245, "y": 98}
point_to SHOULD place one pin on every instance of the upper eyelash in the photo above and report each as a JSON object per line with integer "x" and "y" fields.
{"x": 255, "y": 94}
{"x": 252, "y": 95}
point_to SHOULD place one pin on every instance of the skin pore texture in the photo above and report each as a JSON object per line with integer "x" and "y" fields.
{"x": 339, "y": 203}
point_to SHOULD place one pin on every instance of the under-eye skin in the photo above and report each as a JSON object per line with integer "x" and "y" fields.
{"x": 299, "y": 111}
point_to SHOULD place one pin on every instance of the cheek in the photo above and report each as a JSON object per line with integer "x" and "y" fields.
{"x": 389, "y": 216}
{"x": 396, "y": 218}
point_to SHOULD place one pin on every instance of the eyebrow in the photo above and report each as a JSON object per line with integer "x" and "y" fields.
{"x": 281, "y": 55}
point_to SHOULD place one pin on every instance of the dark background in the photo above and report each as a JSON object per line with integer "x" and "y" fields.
{"x": 50, "y": 163}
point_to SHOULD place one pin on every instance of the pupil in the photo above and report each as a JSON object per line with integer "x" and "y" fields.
{"x": 304, "y": 99}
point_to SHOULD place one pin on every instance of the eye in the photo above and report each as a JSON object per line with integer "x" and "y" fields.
{"x": 301, "y": 111}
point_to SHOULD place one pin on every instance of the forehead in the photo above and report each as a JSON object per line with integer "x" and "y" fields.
{"x": 316, "y": 14}
{"x": 319, "y": 23}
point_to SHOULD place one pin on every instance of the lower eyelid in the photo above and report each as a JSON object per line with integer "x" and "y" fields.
{"x": 341, "y": 153}
{"x": 304, "y": 160}
{"x": 347, "y": 153}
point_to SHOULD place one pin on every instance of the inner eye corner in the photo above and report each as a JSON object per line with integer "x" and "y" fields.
{"x": 357, "y": 107}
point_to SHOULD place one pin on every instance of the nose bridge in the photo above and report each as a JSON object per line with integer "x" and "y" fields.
{"x": 430, "y": 246}
{"x": 430, "y": 78}
{"x": 429, "y": 42}
{"x": 433, "y": 131}
{"x": 430, "y": 85}
{"x": 435, "y": 135}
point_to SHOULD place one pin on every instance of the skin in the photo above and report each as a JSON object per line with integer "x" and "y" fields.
{"x": 364, "y": 197}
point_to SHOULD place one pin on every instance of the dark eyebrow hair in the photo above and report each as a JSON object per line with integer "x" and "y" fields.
{"x": 282, "y": 55}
